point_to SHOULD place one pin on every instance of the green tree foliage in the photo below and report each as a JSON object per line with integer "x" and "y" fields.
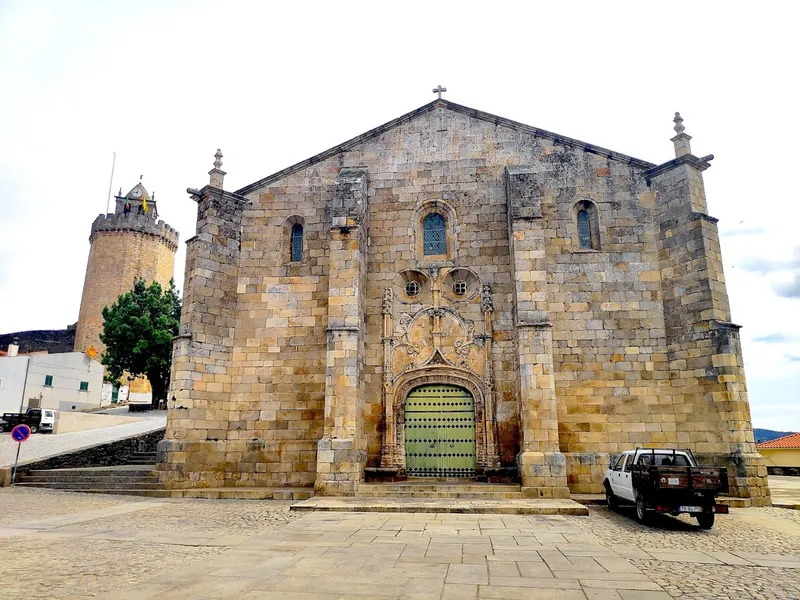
{"x": 138, "y": 330}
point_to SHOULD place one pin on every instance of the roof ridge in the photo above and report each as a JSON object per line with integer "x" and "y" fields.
{"x": 484, "y": 116}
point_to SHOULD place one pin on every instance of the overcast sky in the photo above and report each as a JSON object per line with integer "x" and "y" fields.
{"x": 164, "y": 84}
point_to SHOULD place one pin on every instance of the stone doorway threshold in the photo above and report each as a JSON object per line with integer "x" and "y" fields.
{"x": 523, "y": 506}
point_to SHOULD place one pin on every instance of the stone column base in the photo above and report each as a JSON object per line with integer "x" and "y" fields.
{"x": 747, "y": 478}
{"x": 747, "y": 475}
{"x": 585, "y": 471}
{"x": 185, "y": 464}
{"x": 543, "y": 474}
{"x": 340, "y": 467}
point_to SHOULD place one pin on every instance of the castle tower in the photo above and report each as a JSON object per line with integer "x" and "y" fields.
{"x": 126, "y": 245}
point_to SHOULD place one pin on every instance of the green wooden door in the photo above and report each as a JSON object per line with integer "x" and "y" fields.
{"x": 440, "y": 432}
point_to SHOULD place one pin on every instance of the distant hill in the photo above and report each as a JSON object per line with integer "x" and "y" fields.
{"x": 765, "y": 435}
{"x": 52, "y": 340}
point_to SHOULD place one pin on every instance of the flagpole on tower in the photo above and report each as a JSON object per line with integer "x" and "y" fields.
{"x": 111, "y": 182}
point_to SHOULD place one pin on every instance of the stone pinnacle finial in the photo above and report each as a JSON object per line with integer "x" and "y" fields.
{"x": 681, "y": 140}
{"x": 679, "y": 128}
{"x": 217, "y": 174}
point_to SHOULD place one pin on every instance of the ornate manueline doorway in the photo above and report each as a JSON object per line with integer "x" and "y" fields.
{"x": 440, "y": 432}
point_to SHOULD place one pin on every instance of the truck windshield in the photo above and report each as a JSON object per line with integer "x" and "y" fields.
{"x": 664, "y": 460}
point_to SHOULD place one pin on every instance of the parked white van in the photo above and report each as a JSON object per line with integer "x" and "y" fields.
{"x": 48, "y": 422}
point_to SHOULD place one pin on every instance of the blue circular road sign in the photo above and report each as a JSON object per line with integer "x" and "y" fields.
{"x": 20, "y": 433}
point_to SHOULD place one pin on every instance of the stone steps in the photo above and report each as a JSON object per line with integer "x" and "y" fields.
{"x": 245, "y": 493}
{"x": 136, "y": 480}
{"x": 487, "y": 495}
{"x": 143, "y": 482}
{"x": 122, "y": 471}
{"x": 468, "y": 490}
{"x": 142, "y": 458}
{"x": 123, "y": 492}
{"x": 526, "y": 506}
{"x": 105, "y": 479}
{"x": 95, "y": 485}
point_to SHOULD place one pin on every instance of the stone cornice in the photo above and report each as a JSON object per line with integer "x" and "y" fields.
{"x": 705, "y": 217}
{"x": 724, "y": 325}
{"x": 557, "y": 139}
{"x": 198, "y": 194}
{"x": 534, "y": 324}
{"x": 342, "y": 329}
{"x": 699, "y": 163}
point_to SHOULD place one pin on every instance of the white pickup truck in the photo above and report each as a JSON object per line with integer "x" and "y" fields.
{"x": 665, "y": 481}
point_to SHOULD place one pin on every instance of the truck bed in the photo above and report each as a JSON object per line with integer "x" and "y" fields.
{"x": 684, "y": 479}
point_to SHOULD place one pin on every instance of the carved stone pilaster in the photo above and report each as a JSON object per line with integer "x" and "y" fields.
{"x": 487, "y": 305}
{"x": 388, "y": 446}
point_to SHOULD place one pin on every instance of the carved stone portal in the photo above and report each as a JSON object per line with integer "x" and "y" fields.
{"x": 435, "y": 343}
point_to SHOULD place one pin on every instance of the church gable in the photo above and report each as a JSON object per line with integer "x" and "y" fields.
{"x": 447, "y": 110}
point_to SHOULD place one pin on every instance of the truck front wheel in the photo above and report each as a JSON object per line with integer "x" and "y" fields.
{"x": 34, "y": 428}
{"x": 611, "y": 499}
{"x": 705, "y": 520}
{"x": 641, "y": 510}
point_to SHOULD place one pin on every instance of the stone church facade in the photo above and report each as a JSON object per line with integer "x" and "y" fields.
{"x": 454, "y": 294}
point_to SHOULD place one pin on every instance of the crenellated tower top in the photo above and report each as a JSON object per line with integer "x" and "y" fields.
{"x": 136, "y": 211}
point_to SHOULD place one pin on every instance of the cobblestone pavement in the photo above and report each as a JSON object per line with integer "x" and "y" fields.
{"x": 42, "y": 445}
{"x": 26, "y": 504}
{"x": 117, "y": 547}
{"x": 240, "y": 517}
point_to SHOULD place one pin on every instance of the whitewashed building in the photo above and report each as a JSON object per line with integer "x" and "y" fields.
{"x": 69, "y": 381}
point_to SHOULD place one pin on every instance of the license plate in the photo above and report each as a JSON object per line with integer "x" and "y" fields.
{"x": 673, "y": 481}
{"x": 690, "y": 509}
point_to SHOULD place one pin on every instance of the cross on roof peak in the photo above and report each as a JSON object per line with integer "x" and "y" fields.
{"x": 438, "y": 90}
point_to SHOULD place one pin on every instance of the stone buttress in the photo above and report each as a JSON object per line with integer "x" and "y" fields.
{"x": 201, "y": 448}
{"x": 542, "y": 466}
{"x": 708, "y": 387}
{"x": 342, "y": 451}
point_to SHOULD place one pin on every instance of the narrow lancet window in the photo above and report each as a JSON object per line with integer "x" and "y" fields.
{"x": 584, "y": 229}
{"x": 297, "y": 242}
{"x": 434, "y": 235}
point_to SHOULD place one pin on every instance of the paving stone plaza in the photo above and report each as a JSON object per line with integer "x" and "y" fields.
{"x": 67, "y": 545}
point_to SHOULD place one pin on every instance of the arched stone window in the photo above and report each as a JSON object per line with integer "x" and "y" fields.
{"x": 584, "y": 229}
{"x": 297, "y": 242}
{"x": 293, "y": 244}
{"x": 434, "y": 231}
{"x": 588, "y": 225}
{"x": 434, "y": 235}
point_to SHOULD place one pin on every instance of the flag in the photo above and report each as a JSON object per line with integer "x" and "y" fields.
{"x": 144, "y": 203}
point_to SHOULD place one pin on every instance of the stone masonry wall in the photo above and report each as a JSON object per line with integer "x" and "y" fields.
{"x": 599, "y": 313}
